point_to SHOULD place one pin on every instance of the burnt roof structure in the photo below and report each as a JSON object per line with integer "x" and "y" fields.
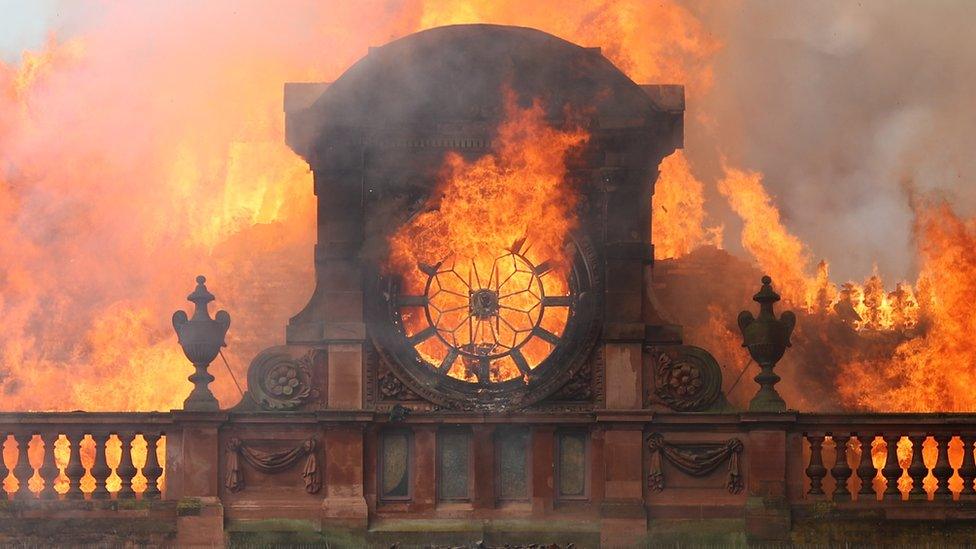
{"x": 460, "y": 72}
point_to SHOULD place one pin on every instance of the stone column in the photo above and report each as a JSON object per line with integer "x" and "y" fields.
{"x": 345, "y": 503}
{"x": 766, "y": 458}
{"x": 334, "y": 317}
{"x": 484, "y": 467}
{"x": 425, "y": 468}
{"x": 623, "y": 515}
{"x": 625, "y": 249}
{"x": 669, "y": 101}
{"x": 543, "y": 473}
{"x": 193, "y": 476}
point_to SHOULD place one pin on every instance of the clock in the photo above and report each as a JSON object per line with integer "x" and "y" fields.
{"x": 489, "y": 332}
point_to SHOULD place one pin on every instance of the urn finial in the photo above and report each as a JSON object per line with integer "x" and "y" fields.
{"x": 200, "y": 298}
{"x": 201, "y": 338}
{"x": 766, "y": 338}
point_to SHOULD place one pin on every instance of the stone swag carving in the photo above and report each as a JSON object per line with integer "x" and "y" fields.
{"x": 271, "y": 462}
{"x": 695, "y": 459}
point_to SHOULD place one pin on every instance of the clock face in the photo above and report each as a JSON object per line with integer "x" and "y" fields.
{"x": 487, "y": 323}
{"x": 489, "y": 327}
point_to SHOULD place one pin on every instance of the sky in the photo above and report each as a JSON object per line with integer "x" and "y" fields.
{"x": 25, "y": 24}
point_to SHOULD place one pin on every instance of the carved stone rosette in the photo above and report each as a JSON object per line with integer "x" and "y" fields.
{"x": 696, "y": 460}
{"x": 686, "y": 378}
{"x": 277, "y": 380}
{"x": 391, "y": 388}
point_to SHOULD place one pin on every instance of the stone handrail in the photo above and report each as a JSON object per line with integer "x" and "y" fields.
{"x": 83, "y": 455}
{"x": 914, "y": 457}
{"x": 770, "y": 468}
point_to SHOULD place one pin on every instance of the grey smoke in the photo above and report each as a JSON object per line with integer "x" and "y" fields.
{"x": 838, "y": 104}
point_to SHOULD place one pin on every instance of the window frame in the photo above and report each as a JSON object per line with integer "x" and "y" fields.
{"x": 557, "y": 488}
{"x": 438, "y": 446}
{"x": 499, "y": 434}
{"x": 381, "y": 461}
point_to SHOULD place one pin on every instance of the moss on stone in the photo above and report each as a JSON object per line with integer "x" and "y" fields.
{"x": 502, "y": 525}
{"x": 277, "y": 531}
{"x": 107, "y": 532}
{"x": 189, "y": 507}
{"x": 892, "y": 533}
{"x": 133, "y": 504}
{"x": 695, "y": 533}
{"x": 273, "y": 525}
{"x": 427, "y": 525}
{"x": 412, "y": 533}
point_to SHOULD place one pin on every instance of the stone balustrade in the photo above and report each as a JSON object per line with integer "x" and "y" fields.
{"x": 779, "y": 472}
{"x": 904, "y": 458}
{"x": 79, "y": 456}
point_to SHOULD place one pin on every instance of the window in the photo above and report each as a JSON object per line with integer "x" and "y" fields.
{"x": 512, "y": 458}
{"x": 571, "y": 467}
{"x": 395, "y": 465}
{"x": 453, "y": 465}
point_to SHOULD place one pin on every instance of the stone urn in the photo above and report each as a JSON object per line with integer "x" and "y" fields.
{"x": 766, "y": 337}
{"x": 201, "y": 338}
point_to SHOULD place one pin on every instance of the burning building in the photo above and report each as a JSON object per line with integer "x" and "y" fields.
{"x": 488, "y": 352}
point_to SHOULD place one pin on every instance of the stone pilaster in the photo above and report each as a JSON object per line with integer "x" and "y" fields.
{"x": 345, "y": 503}
{"x": 193, "y": 476}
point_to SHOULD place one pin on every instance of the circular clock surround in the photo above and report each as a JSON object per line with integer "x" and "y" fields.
{"x": 480, "y": 301}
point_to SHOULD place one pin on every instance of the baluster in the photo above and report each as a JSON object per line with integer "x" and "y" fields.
{"x": 4, "y": 471}
{"x": 865, "y": 468}
{"x": 151, "y": 470}
{"x": 23, "y": 470}
{"x": 841, "y": 471}
{"x": 942, "y": 470}
{"x": 967, "y": 470}
{"x": 75, "y": 468}
{"x": 917, "y": 469}
{"x": 99, "y": 468}
{"x": 891, "y": 470}
{"x": 49, "y": 467}
{"x": 816, "y": 470}
{"x": 126, "y": 469}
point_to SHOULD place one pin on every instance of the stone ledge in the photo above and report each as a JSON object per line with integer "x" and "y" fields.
{"x": 102, "y": 523}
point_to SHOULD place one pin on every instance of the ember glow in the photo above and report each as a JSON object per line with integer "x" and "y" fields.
{"x": 678, "y": 223}
{"x": 931, "y": 371}
{"x": 905, "y": 347}
{"x": 130, "y": 164}
{"x": 123, "y": 175}
{"x": 495, "y": 228}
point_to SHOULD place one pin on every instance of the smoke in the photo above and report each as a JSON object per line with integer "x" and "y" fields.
{"x": 838, "y": 103}
{"x": 144, "y": 145}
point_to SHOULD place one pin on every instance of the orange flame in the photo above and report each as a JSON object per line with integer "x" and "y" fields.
{"x": 491, "y": 224}
{"x": 123, "y": 176}
{"x": 781, "y": 254}
{"x": 653, "y": 42}
{"x": 120, "y": 180}
{"x": 678, "y": 217}
{"x": 931, "y": 371}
